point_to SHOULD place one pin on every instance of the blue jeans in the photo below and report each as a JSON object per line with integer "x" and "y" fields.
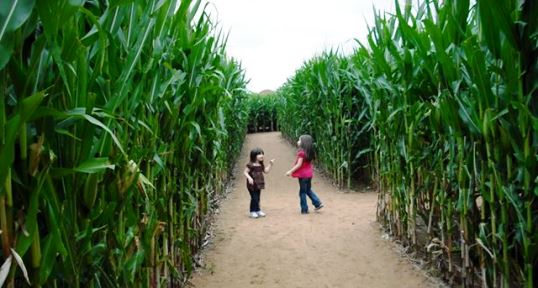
{"x": 305, "y": 189}
{"x": 254, "y": 199}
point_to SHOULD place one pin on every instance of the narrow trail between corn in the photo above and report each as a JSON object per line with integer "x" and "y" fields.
{"x": 339, "y": 246}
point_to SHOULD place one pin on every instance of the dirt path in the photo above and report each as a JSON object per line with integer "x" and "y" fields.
{"x": 340, "y": 246}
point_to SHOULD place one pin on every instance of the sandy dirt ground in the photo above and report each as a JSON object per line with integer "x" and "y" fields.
{"x": 339, "y": 246}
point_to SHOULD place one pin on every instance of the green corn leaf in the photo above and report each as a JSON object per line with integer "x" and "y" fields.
{"x": 102, "y": 126}
{"x": 94, "y": 165}
{"x": 7, "y": 151}
{"x": 13, "y": 13}
{"x": 50, "y": 249}
{"x": 30, "y": 220}
{"x": 5, "y": 54}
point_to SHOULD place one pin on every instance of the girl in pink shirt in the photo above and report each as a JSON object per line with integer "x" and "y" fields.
{"x": 303, "y": 171}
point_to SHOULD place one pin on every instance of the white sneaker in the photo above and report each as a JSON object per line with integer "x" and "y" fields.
{"x": 253, "y": 215}
{"x": 261, "y": 214}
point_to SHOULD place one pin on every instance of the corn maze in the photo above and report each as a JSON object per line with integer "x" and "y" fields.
{"x": 120, "y": 121}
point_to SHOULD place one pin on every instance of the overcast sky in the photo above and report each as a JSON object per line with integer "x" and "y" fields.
{"x": 273, "y": 38}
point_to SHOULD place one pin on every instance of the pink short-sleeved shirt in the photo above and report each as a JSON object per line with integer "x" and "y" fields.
{"x": 305, "y": 171}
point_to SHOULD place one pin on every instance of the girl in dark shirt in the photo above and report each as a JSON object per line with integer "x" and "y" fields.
{"x": 255, "y": 181}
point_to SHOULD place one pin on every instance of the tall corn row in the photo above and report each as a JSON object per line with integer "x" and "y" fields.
{"x": 457, "y": 150}
{"x": 451, "y": 93}
{"x": 118, "y": 122}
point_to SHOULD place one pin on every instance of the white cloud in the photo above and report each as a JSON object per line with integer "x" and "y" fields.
{"x": 273, "y": 38}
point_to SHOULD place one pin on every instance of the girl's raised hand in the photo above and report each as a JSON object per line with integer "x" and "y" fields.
{"x": 272, "y": 161}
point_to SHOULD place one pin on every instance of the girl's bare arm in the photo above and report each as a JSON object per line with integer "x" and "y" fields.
{"x": 250, "y": 180}
{"x": 268, "y": 168}
{"x": 294, "y": 168}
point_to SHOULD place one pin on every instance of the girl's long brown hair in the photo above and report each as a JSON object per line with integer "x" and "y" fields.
{"x": 307, "y": 144}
